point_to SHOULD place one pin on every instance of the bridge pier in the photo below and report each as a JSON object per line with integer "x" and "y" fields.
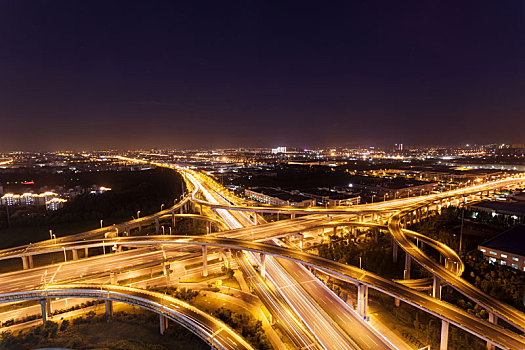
{"x": 109, "y": 307}
{"x": 263, "y": 265}
{"x": 225, "y": 257}
{"x": 173, "y": 219}
{"x": 166, "y": 271}
{"x": 436, "y": 287}
{"x": 204, "y": 260}
{"x": 75, "y": 254}
{"x": 25, "y": 264}
{"x": 362, "y": 299}
{"x": 86, "y": 252}
{"x": 443, "y": 345}
{"x": 113, "y": 278}
{"x": 30, "y": 261}
{"x": 162, "y": 320}
{"x": 293, "y": 216}
{"x": 493, "y": 318}
{"x": 395, "y": 249}
{"x": 255, "y": 218}
{"x": 157, "y": 228}
{"x": 208, "y": 227}
{"x": 44, "y": 308}
{"x": 407, "y": 266}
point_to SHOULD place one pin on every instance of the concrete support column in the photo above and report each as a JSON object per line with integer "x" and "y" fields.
{"x": 86, "y": 251}
{"x": 443, "y": 345}
{"x": 256, "y": 219}
{"x": 200, "y": 209}
{"x": 162, "y": 324}
{"x": 25, "y": 263}
{"x": 43, "y": 306}
{"x": 293, "y": 216}
{"x": 113, "y": 278}
{"x": 395, "y": 249}
{"x": 263, "y": 265}
{"x": 75, "y": 254}
{"x": 204, "y": 260}
{"x": 173, "y": 219}
{"x": 492, "y": 319}
{"x": 225, "y": 258}
{"x": 208, "y": 227}
{"x": 166, "y": 271}
{"x": 362, "y": 299}
{"x": 157, "y": 228}
{"x": 30, "y": 260}
{"x": 436, "y": 287}
{"x": 109, "y": 307}
{"x": 408, "y": 263}
{"x": 397, "y": 302}
{"x": 140, "y": 227}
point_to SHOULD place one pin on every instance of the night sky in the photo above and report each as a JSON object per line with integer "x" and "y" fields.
{"x": 108, "y": 74}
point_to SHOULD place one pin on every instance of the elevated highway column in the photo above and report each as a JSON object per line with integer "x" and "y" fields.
{"x": 443, "y": 345}
{"x": 492, "y": 319}
{"x": 75, "y": 254}
{"x": 436, "y": 287}
{"x": 109, "y": 307}
{"x": 408, "y": 261}
{"x": 157, "y": 226}
{"x": 394, "y": 250}
{"x": 362, "y": 299}
{"x": 204, "y": 260}
{"x": 44, "y": 307}
{"x": 25, "y": 263}
{"x": 263, "y": 265}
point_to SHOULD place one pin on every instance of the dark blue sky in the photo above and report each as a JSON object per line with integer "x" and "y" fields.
{"x": 86, "y": 74}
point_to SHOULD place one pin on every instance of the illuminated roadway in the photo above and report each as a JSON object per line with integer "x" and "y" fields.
{"x": 434, "y": 306}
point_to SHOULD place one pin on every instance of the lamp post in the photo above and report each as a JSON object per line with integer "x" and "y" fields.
{"x": 138, "y": 214}
{"x": 50, "y": 234}
{"x": 461, "y": 231}
{"x": 161, "y": 206}
{"x": 101, "y": 223}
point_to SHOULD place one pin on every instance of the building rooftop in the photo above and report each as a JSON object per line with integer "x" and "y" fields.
{"x": 509, "y": 208}
{"x": 511, "y": 241}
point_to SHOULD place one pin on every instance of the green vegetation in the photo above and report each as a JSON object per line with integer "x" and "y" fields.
{"x": 137, "y": 331}
{"x": 131, "y": 191}
{"x": 501, "y": 282}
{"x": 243, "y": 323}
{"x": 246, "y": 325}
{"x": 375, "y": 256}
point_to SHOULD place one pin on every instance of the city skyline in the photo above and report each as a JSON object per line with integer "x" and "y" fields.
{"x": 79, "y": 76}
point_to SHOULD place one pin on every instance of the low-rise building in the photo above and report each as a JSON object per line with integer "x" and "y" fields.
{"x": 278, "y": 197}
{"x": 507, "y": 248}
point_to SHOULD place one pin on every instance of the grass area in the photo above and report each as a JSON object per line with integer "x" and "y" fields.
{"x": 130, "y": 329}
{"x": 231, "y": 283}
{"x": 15, "y": 236}
{"x": 202, "y": 278}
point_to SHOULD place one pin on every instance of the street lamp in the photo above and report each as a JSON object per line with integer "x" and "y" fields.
{"x": 50, "y": 234}
{"x": 138, "y": 214}
{"x": 462, "y": 219}
{"x": 161, "y": 206}
{"x": 101, "y": 222}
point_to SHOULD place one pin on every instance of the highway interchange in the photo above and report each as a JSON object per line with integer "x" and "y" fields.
{"x": 312, "y": 315}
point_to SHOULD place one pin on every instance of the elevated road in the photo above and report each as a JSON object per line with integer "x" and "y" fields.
{"x": 210, "y": 329}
